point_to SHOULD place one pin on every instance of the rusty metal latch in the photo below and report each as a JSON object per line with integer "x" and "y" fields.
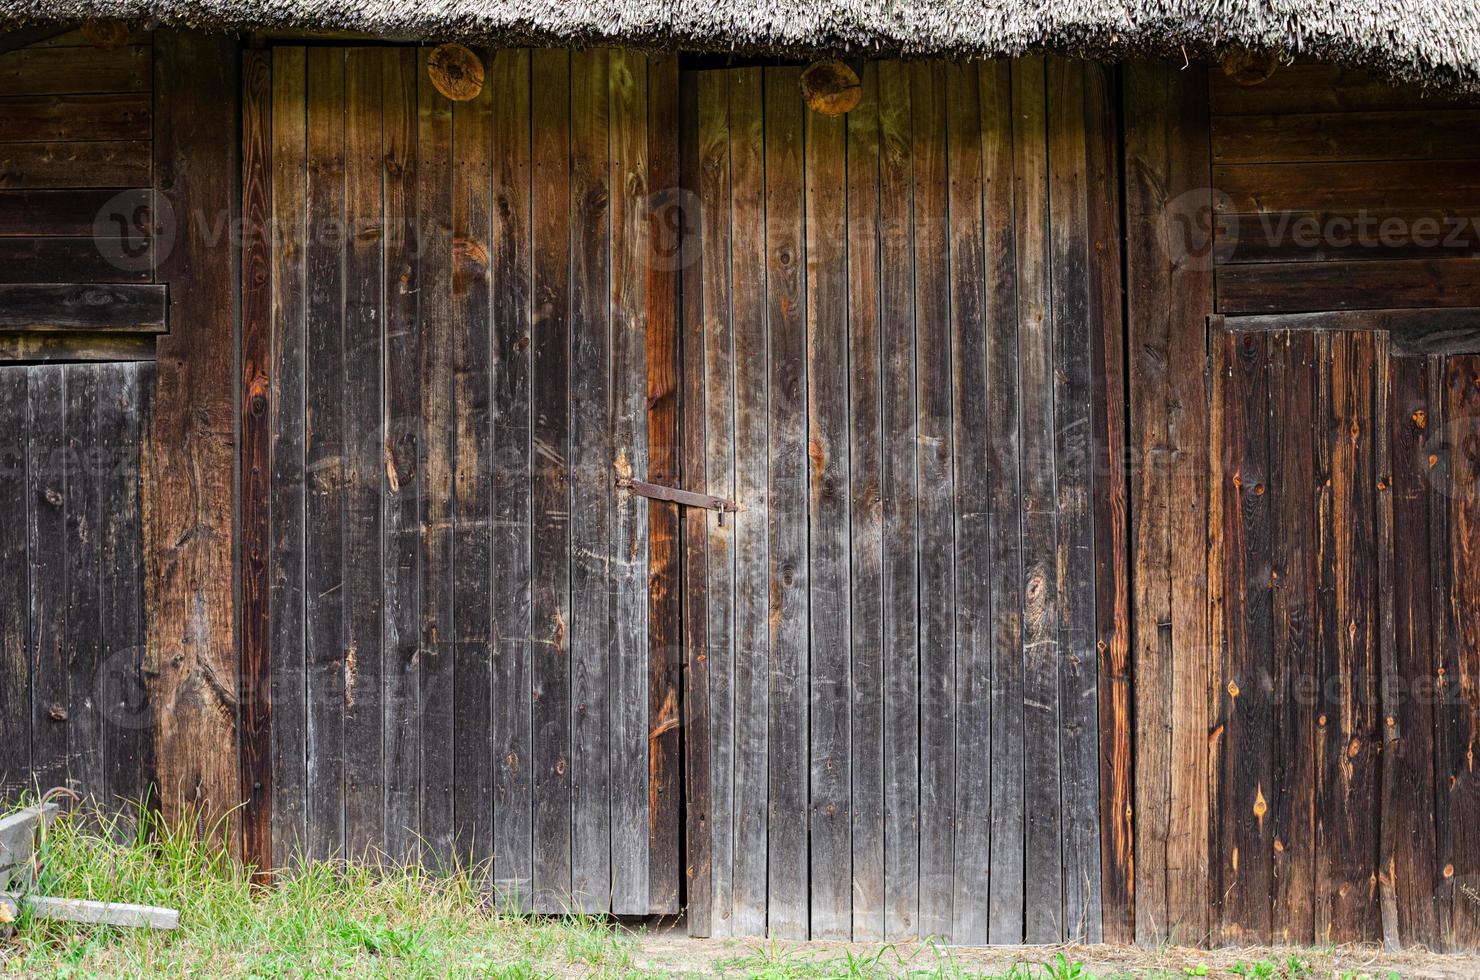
{"x": 684, "y": 498}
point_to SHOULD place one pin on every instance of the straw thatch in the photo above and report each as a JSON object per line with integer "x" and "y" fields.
{"x": 1431, "y": 41}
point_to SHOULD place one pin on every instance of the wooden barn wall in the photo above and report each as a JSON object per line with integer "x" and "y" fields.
{"x": 73, "y": 709}
{"x": 901, "y": 345}
{"x": 458, "y": 342}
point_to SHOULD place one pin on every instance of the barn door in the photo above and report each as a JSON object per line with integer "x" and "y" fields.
{"x": 459, "y": 622}
{"x": 1345, "y": 565}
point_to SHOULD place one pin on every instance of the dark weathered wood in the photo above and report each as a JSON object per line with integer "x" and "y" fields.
{"x": 1348, "y": 235}
{"x": 364, "y": 447}
{"x": 866, "y": 515}
{"x": 50, "y": 348}
{"x": 61, "y": 213}
{"x": 666, "y": 248}
{"x": 70, "y": 71}
{"x": 1377, "y": 186}
{"x": 81, "y": 642}
{"x": 549, "y": 383}
{"x": 190, "y": 536}
{"x": 325, "y": 448}
{"x": 46, "y": 534}
{"x": 28, "y": 36}
{"x": 56, "y": 118}
{"x": 1311, "y": 87}
{"x": 15, "y": 638}
{"x": 401, "y": 487}
{"x": 255, "y": 507}
{"x": 286, "y": 424}
{"x": 508, "y": 80}
{"x": 83, "y": 308}
{"x": 1169, "y": 286}
{"x": 747, "y": 338}
{"x": 69, "y": 260}
{"x": 434, "y": 324}
{"x": 81, "y": 163}
{"x": 829, "y": 751}
{"x": 472, "y": 504}
{"x": 1293, "y": 137}
{"x": 633, "y": 713}
{"x": 592, "y": 457}
{"x": 1309, "y": 286}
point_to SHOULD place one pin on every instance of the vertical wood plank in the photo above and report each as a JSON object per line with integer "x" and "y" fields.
{"x": 666, "y": 249}
{"x": 592, "y": 666}
{"x": 256, "y": 438}
{"x": 633, "y": 715}
{"x": 190, "y": 539}
{"x": 1043, "y": 887}
{"x": 324, "y": 452}
{"x": 1005, "y": 904}
{"x": 550, "y": 482}
{"x": 46, "y": 490}
{"x": 472, "y": 504}
{"x": 866, "y": 514}
{"x": 747, "y": 312}
{"x": 829, "y": 752}
{"x": 933, "y": 470}
{"x": 401, "y": 489}
{"x": 509, "y": 79}
{"x": 364, "y": 467}
{"x": 286, "y": 577}
{"x": 80, "y": 639}
{"x": 15, "y": 639}
{"x": 898, "y": 463}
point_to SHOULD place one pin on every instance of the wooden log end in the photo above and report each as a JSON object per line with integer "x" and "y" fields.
{"x": 831, "y": 88}
{"x": 1247, "y": 67}
{"x": 107, "y": 35}
{"x": 456, "y": 72}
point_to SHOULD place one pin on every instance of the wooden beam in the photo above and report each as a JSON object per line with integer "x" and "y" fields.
{"x": 189, "y": 520}
{"x": 1429, "y": 331}
{"x": 60, "y": 348}
{"x": 128, "y": 308}
{"x": 24, "y": 38}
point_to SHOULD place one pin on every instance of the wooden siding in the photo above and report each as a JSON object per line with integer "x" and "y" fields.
{"x": 888, "y": 318}
{"x": 73, "y": 706}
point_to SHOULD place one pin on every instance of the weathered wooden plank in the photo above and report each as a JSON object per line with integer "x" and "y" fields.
{"x": 1377, "y": 186}
{"x": 364, "y": 446}
{"x": 830, "y": 753}
{"x": 472, "y": 503}
{"x": 550, "y": 489}
{"x": 286, "y": 427}
{"x": 685, "y": 215}
{"x": 123, "y": 419}
{"x": 510, "y": 267}
{"x": 73, "y": 307}
{"x": 81, "y": 643}
{"x": 1311, "y": 87}
{"x": 1246, "y": 778}
{"x": 748, "y": 342}
{"x": 592, "y": 492}
{"x": 666, "y": 247}
{"x": 865, "y": 516}
{"x": 1291, "y": 816}
{"x": 1436, "y": 466}
{"x": 715, "y": 405}
{"x": 633, "y": 713}
{"x": 51, "y": 348}
{"x": 70, "y": 260}
{"x": 401, "y": 488}
{"x": 1347, "y": 285}
{"x": 66, "y": 118}
{"x": 15, "y": 606}
{"x": 100, "y": 913}
{"x": 325, "y": 448}
{"x": 78, "y": 163}
{"x": 76, "y": 70}
{"x": 255, "y": 506}
{"x": 434, "y": 278}
{"x": 1350, "y": 235}
{"x": 78, "y": 213}
{"x": 46, "y": 523}
{"x": 1292, "y": 137}
{"x": 190, "y": 536}
{"x": 899, "y": 489}
{"x": 1073, "y": 346}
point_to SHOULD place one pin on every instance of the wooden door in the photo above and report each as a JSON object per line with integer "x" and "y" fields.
{"x": 457, "y": 342}
{"x": 901, "y": 354}
{"x": 1347, "y": 522}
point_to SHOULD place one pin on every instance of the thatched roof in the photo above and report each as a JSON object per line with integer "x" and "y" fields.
{"x": 1430, "y": 41}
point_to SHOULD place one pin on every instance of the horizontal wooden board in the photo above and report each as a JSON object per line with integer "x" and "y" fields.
{"x": 1320, "y": 236}
{"x": 74, "y": 39}
{"x": 51, "y": 348}
{"x": 1310, "y": 286}
{"x": 1378, "y": 187}
{"x": 73, "y": 70}
{"x": 62, "y": 260}
{"x": 1404, "y": 134}
{"x": 47, "y": 118}
{"x": 66, "y": 213}
{"x": 85, "y": 163}
{"x": 131, "y": 308}
{"x": 1414, "y": 331}
{"x": 1319, "y": 88}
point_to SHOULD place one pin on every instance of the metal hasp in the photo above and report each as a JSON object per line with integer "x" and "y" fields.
{"x": 684, "y": 498}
